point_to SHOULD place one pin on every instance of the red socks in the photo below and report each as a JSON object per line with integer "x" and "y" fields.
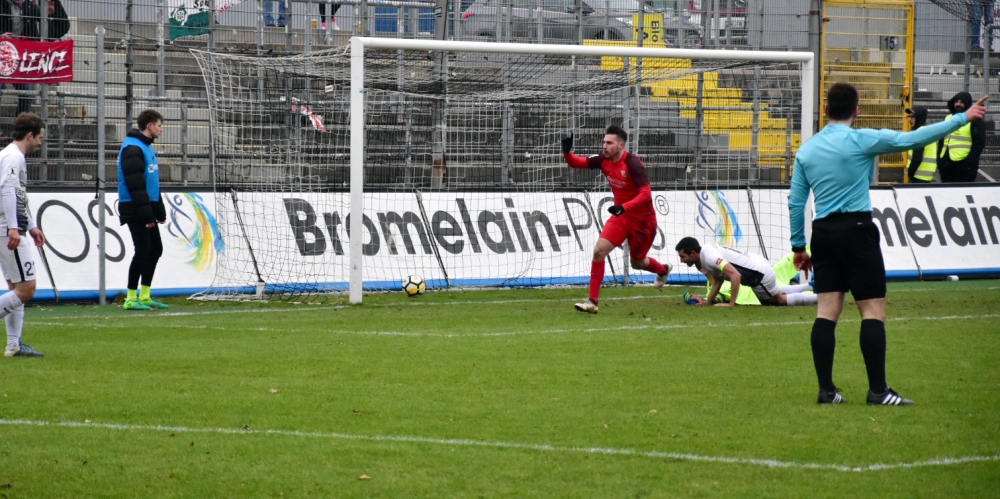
{"x": 596, "y": 279}
{"x": 656, "y": 267}
{"x": 597, "y": 275}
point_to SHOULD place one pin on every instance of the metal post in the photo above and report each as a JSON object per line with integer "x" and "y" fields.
{"x": 729, "y": 26}
{"x": 260, "y": 49}
{"x": 401, "y": 22}
{"x": 755, "y": 128}
{"x": 540, "y": 22}
{"x": 129, "y": 113}
{"x": 626, "y": 265}
{"x": 699, "y": 119}
{"x": 579, "y": 24}
{"x": 815, "y": 35}
{"x": 101, "y": 222}
{"x": 161, "y": 74}
{"x": 439, "y": 116}
{"x": 986, "y": 58}
{"x": 363, "y": 25}
{"x": 357, "y": 168}
{"x": 43, "y": 92}
{"x": 713, "y": 21}
{"x": 61, "y": 175}
{"x": 637, "y": 88}
{"x": 288, "y": 26}
{"x": 185, "y": 166}
{"x": 211, "y": 25}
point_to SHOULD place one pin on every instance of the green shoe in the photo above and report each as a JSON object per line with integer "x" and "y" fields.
{"x": 155, "y": 304}
{"x": 135, "y": 305}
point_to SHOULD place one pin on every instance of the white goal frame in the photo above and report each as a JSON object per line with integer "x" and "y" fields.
{"x": 359, "y": 44}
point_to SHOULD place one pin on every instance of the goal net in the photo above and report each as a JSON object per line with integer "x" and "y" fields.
{"x": 443, "y": 159}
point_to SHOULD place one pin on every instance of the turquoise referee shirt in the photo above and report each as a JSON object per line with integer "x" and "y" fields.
{"x": 837, "y": 164}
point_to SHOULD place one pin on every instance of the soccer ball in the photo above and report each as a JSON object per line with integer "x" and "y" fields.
{"x": 414, "y": 285}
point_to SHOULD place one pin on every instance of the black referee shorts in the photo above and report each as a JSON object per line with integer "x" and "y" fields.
{"x": 846, "y": 256}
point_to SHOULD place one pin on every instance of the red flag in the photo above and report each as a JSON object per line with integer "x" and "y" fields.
{"x": 27, "y": 61}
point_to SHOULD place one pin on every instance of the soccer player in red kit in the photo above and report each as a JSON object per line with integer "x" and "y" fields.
{"x": 633, "y": 220}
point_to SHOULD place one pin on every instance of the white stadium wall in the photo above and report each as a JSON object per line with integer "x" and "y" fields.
{"x": 926, "y": 231}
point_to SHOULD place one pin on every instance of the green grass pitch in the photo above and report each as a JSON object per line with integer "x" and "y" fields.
{"x": 506, "y": 393}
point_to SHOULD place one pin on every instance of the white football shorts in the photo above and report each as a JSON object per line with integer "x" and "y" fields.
{"x": 18, "y": 265}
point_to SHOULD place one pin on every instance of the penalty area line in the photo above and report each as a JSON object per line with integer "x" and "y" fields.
{"x": 459, "y": 442}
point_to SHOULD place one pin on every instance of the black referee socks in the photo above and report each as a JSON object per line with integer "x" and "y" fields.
{"x": 824, "y": 341}
{"x": 873, "y": 349}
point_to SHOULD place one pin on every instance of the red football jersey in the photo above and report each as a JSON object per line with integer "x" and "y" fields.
{"x": 626, "y": 177}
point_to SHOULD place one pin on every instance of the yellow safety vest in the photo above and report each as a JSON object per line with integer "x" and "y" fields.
{"x": 959, "y": 143}
{"x": 928, "y": 165}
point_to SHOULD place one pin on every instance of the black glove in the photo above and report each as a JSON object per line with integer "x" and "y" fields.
{"x": 616, "y": 210}
{"x": 567, "y": 144}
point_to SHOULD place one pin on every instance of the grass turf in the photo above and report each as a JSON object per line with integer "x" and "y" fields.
{"x": 498, "y": 394}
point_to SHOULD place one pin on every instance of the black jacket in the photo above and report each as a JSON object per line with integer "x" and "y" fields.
{"x": 31, "y": 17}
{"x": 966, "y": 169}
{"x": 133, "y": 166}
{"x": 917, "y": 155}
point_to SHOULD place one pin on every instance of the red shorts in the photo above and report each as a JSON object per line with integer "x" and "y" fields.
{"x": 640, "y": 234}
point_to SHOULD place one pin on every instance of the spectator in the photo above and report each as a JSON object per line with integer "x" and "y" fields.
{"x": 58, "y": 20}
{"x": 19, "y": 19}
{"x": 982, "y": 11}
{"x": 923, "y": 160}
{"x": 333, "y": 15}
{"x": 958, "y": 155}
{"x": 269, "y": 14}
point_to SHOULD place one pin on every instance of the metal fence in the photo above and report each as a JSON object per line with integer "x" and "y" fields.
{"x": 148, "y": 65}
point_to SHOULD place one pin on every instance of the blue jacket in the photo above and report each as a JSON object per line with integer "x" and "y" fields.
{"x": 139, "y": 181}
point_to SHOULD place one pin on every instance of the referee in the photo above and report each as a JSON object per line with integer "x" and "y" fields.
{"x": 837, "y": 165}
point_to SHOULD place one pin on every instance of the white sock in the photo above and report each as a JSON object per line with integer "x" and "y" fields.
{"x": 15, "y": 323}
{"x": 801, "y": 299}
{"x": 8, "y": 302}
{"x": 796, "y": 288}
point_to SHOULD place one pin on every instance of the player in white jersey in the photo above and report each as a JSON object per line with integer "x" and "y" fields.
{"x": 722, "y": 263}
{"x": 17, "y": 260}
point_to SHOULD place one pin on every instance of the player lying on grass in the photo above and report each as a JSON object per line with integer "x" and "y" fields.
{"x": 721, "y": 263}
{"x": 633, "y": 220}
{"x": 784, "y": 270}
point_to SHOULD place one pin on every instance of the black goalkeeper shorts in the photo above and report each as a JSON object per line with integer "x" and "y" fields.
{"x": 846, "y": 256}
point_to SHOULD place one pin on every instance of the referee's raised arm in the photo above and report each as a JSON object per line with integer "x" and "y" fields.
{"x": 888, "y": 141}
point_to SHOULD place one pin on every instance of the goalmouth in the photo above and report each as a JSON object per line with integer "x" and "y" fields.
{"x": 348, "y": 169}
{"x": 359, "y": 46}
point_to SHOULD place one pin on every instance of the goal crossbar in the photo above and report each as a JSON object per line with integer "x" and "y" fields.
{"x": 358, "y": 45}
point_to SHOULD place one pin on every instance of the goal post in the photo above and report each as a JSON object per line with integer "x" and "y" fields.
{"x": 350, "y": 168}
{"x": 359, "y": 45}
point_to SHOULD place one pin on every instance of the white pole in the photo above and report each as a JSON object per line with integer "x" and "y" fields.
{"x": 808, "y": 104}
{"x": 102, "y": 290}
{"x": 357, "y": 165}
{"x": 808, "y": 94}
{"x": 553, "y": 49}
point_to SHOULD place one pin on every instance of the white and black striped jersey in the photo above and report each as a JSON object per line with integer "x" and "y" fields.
{"x": 14, "y": 213}
{"x": 751, "y": 267}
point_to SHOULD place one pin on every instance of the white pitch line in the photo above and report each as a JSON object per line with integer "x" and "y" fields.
{"x": 320, "y": 308}
{"x": 654, "y": 327}
{"x": 458, "y": 442}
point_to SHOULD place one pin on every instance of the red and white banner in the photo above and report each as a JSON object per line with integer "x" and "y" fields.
{"x": 26, "y": 61}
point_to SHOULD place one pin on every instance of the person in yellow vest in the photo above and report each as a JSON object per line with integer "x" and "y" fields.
{"x": 958, "y": 153}
{"x": 923, "y": 160}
